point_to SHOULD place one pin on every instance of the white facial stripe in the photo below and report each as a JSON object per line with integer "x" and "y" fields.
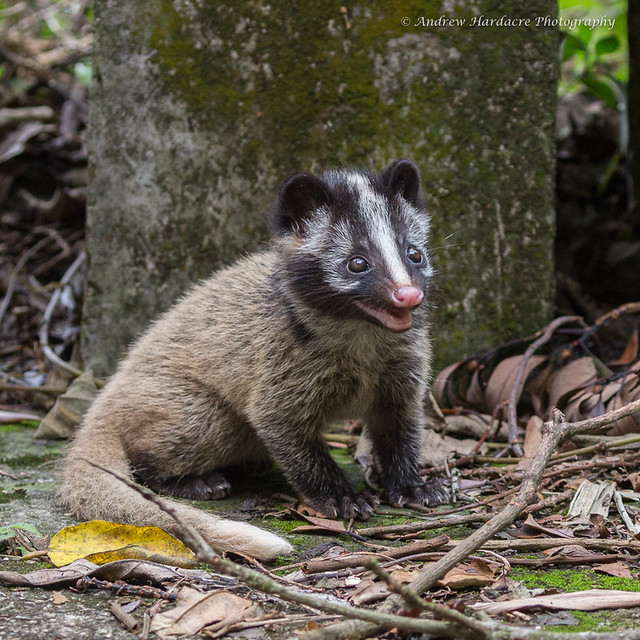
{"x": 380, "y": 229}
{"x": 316, "y": 228}
{"x": 386, "y": 244}
{"x": 340, "y": 248}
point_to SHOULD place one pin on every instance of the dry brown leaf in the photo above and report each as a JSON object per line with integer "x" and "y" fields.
{"x": 441, "y": 384}
{"x": 532, "y": 439}
{"x": 436, "y": 448}
{"x": 567, "y": 551}
{"x": 65, "y": 415}
{"x": 474, "y": 574}
{"x": 369, "y": 591}
{"x": 139, "y": 570}
{"x": 537, "y": 388}
{"x": 317, "y": 522}
{"x": 630, "y": 353}
{"x": 611, "y": 389}
{"x": 620, "y": 427}
{"x": 592, "y": 405}
{"x": 634, "y": 479}
{"x": 555, "y": 533}
{"x": 471, "y": 424}
{"x": 574, "y": 375}
{"x": 631, "y": 382}
{"x": 195, "y": 610}
{"x": 475, "y": 393}
{"x": 616, "y": 569}
{"x": 571, "y": 408}
{"x": 501, "y": 381}
{"x": 404, "y": 576}
{"x": 629, "y": 392}
{"x": 532, "y": 436}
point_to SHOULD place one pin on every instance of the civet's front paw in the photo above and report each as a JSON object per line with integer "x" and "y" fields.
{"x": 352, "y": 506}
{"x": 429, "y": 494}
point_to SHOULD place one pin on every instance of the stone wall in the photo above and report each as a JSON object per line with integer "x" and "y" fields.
{"x": 199, "y": 110}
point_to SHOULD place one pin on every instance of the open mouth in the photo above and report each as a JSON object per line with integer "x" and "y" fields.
{"x": 396, "y": 320}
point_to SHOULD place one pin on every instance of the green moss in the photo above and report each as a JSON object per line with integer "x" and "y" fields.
{"x": 599, "y": 621}
{"x": 285, "y": 526}
{"x": 30, "y": 459}
{"x": 569, "y": 580}
{"x": 18, "y": 426}
{"x": 309, "y": 102}
{"x": 9, "y": 428}
{"x": 22, "y": 566}
{"x": 587, "y": 621}
{"x": 582, "y": 579}
{"x": 7, "y": 496}
{"x": 280, "y": 86}
{"x": 18, "y": 448}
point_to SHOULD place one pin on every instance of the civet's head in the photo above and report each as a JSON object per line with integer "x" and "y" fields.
{"x": 359, "y": 242}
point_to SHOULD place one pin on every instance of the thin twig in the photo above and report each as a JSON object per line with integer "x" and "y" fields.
{"x": 358, "y": 559}
{"x": 552, "y": 433}
{"x": 49, "y": 353}
{"x": 551, "y": 501}
{"x": 126, "y": 619}
{"x": 422, "y": 525}
{"x": 414, "y": 600}
{"x": 600, "y": 447}
{"x": 609, "y": 317}
{"x": 16, "y": 270}
{"x": 540, "y": 544}
{"x": 27, "y": 388}
{"x": 194, "y": 540}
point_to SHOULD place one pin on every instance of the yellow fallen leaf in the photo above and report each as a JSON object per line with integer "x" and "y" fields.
{"x": 102, "y": 542}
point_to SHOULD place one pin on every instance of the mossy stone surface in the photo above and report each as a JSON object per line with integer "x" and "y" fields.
{"x": 199, "y": 110}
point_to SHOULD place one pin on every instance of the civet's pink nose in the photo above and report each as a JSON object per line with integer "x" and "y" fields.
{"x": 407, "y": 297}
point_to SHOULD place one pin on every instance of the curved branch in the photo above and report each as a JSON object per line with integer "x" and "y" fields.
{"x": 49, "y": 353}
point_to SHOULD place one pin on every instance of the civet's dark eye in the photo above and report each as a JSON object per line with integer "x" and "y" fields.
{"x": 415, "y": 255}
{"x": 358, "y": 264}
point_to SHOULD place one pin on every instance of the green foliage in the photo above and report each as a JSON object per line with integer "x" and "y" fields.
{"x": 57, "y": 22}
{"x": 594, "y": 56}
{"x": 83, "y": 72}
{"x": 9, "y": 531}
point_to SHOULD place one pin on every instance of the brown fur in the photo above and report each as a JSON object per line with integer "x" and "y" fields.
{"x": 241, "y": 371}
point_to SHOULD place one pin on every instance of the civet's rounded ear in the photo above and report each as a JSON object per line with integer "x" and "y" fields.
{"x": 402, "y": 177}
{"x": 300, "y": 196}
